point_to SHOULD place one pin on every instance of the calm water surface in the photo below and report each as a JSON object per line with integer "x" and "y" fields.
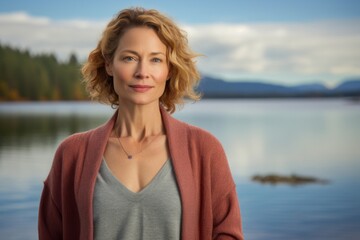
{"x": 319, "y": 138}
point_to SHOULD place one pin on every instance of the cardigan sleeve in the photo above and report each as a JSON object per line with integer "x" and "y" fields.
{"x": 227, "y": 221}
{"x": 225, "y": 203}
{"x": 50, "y": 216}
{"x": 50, "y": 221}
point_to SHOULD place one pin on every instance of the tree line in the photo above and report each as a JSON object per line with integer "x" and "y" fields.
{"x": 27, "y": 77}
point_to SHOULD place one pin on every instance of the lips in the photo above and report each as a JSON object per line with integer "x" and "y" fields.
{"x": 140, "y": 88}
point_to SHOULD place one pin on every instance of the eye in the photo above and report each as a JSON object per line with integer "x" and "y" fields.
{"x": 158, "y": 60}
{"x": 128, "y": 59}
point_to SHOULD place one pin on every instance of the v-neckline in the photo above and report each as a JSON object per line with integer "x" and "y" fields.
{"x": 131, "y": 195}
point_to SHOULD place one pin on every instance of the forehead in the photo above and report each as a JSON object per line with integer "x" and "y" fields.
{"x": 142, "y": 39}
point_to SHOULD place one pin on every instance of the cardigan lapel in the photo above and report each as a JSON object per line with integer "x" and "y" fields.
{"x": 177, "y": 136}
{"x": 94, "y": 155}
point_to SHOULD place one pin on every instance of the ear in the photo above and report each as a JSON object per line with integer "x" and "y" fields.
{"x": 109, "y": 68}
{"x": 169, "y": 75}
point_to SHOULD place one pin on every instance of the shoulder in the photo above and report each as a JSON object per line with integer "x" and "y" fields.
{"x": 67, "y": 154}
{"x": 78, "y": 140}
{"x": 74, "y": 147}
{"x": 195, "y": 138}
{"x": 74, "y": 142}
{"x": 98, "y": 135}
{"x": 68, "y": 151}
{"x": 209, "y": 154}
{"x": 212, "y": 157}
{"x": 181, "y": 129}
{"x": 203, "y": 138}
{"x": 200, "y": 138}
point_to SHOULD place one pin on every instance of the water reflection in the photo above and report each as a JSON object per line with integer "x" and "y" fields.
{"x": 24, "y": 130}
{"x": 29, "y": 135}
{"x": 318, "y": 138}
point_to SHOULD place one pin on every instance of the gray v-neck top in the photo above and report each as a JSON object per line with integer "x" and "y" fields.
{"x": 152, "y": 213}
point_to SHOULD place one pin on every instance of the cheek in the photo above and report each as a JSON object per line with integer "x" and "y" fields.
{"x": 163, "y": 74}
{"x": 120, "y": 78}
{"x": 123, "y": 73}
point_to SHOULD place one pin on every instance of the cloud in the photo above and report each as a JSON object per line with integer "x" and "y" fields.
{"x": 307, "y": 49}
{"x": 40, "y": 34}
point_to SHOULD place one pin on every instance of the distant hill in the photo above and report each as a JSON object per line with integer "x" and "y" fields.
{"x": 313, "y": 87}
{"x": 349, "y": 86}
{"x": 218, "y": 88}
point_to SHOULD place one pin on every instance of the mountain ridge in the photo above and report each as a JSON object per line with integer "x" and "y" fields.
{"x": 218, "y": 88}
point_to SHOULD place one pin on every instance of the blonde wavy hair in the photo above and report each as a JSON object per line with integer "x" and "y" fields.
{"x": 184, "y": 74}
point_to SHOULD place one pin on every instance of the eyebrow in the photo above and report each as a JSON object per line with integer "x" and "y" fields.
{"x": 136, "y": 53}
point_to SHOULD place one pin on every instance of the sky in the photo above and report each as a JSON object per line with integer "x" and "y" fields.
{"x": 280, "y": 41}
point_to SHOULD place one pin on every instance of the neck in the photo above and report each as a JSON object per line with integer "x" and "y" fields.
{"x": 138, "y": 122}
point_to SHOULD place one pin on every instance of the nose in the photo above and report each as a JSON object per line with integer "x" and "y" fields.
{"x": 142, "y": 70}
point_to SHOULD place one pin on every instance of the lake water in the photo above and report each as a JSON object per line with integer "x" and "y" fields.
{"x": 318, "y": 138}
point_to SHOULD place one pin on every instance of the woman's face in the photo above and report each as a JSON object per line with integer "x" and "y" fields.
{"x": 139, "y": 67}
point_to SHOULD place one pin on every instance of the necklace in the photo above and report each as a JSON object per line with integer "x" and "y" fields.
{"x": 130, "y": 156}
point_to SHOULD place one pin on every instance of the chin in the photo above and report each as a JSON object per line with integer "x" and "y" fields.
{"x": 141, "y": 101}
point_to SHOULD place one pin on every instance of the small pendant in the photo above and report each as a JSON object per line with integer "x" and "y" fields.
{"x": 129, "y": 157}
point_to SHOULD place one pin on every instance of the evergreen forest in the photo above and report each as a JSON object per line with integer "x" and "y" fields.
{"x": 28, "y": 77}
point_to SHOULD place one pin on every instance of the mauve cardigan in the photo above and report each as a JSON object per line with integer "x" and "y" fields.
{"x": 210, "y": 207}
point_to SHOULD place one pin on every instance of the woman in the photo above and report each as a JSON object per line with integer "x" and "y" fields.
{"x": 143, "y": 174}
